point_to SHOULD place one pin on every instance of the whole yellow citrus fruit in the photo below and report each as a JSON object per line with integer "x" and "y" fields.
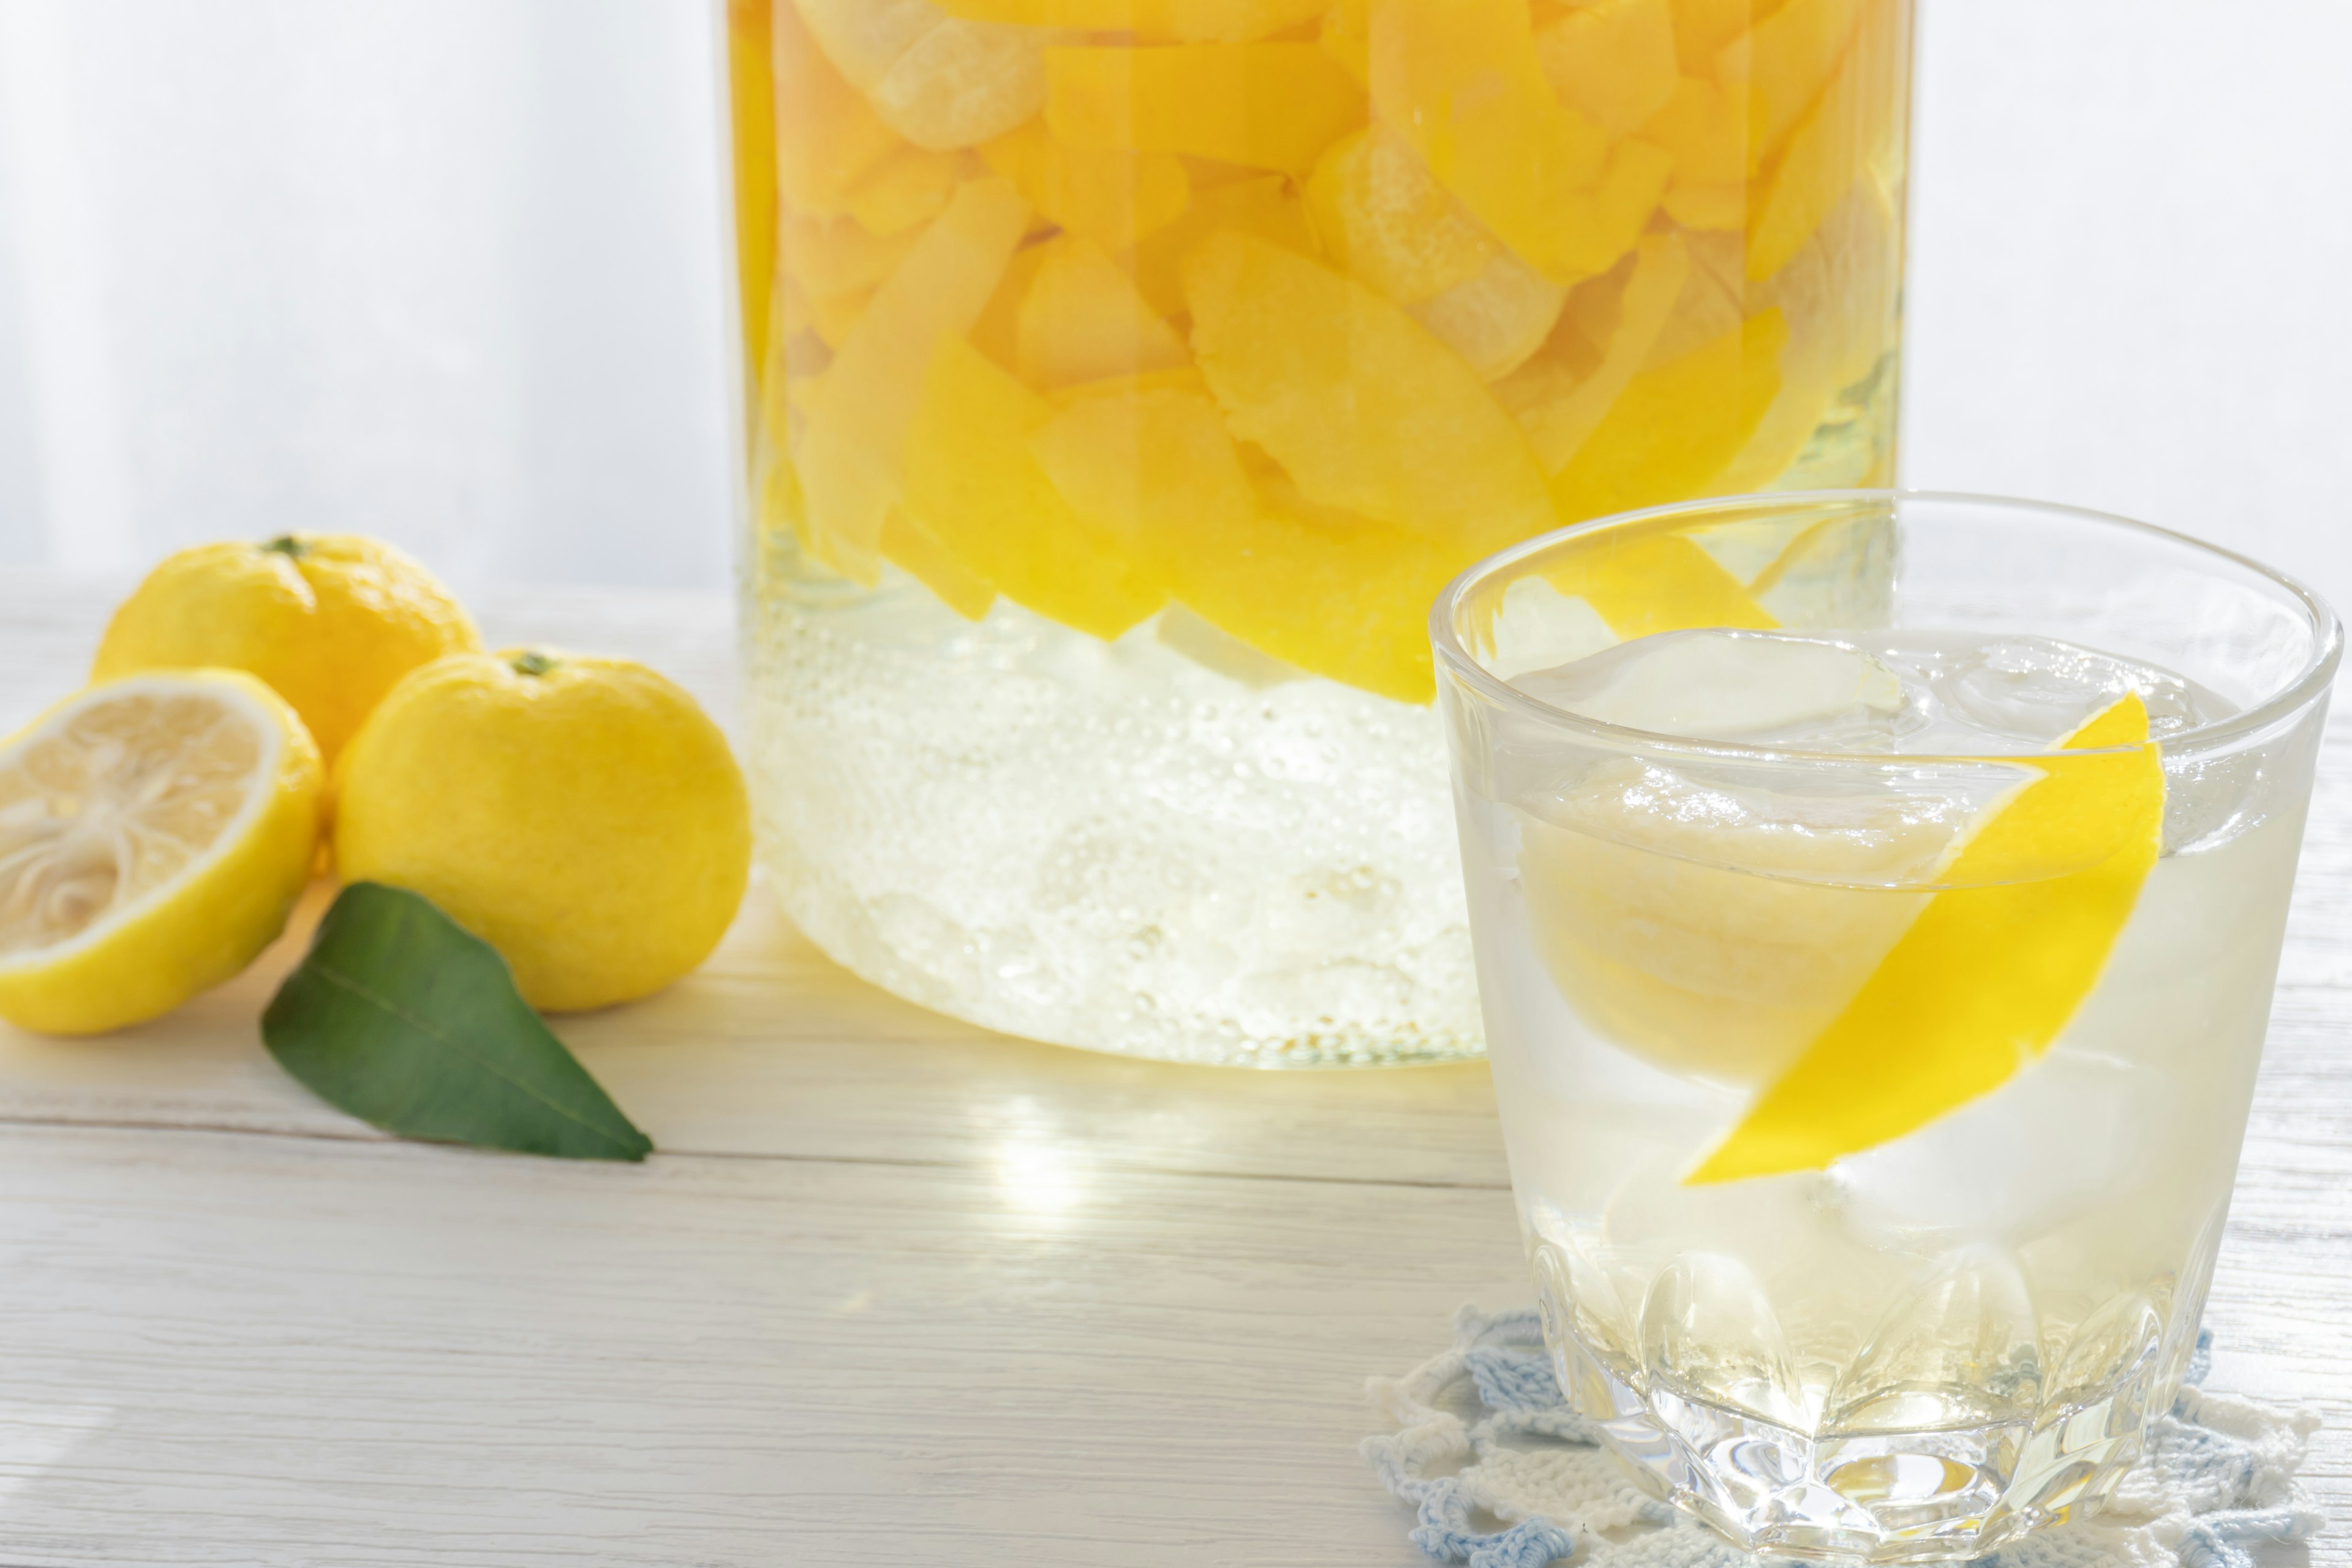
{"x": 581, "y": 816}
{"x": 156, "y": 831}
{"x": 330, "y": 622}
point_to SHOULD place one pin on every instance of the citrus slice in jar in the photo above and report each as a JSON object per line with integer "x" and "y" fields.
{"x": 974, "y": 486}
{"x": 1384, "y": 219}
{"x": 1560, "y": 396}
{"x": 1369, "y": 412}
{"x": 1110, "y": 197}
{"x": 851, "y": 455}
{"x": 1264, "y": 207}
{"x": 1831, "y": 147}
{"x": 1676, "y": 426}
{"x": 154, "y": 832}
{"x": 827, "y": 137}
{"x": 1613, "y": 61}
{"x": 1082, "y": 320}
{"x": 1268, "y": 106}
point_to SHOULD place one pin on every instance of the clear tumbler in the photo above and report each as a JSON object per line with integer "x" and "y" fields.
{"x": 1877, "y": 898}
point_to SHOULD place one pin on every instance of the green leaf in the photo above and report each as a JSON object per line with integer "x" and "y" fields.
{"x": 404, "y": 1018}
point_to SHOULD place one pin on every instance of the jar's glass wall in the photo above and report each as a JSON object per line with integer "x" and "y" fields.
{"x": 1125, "y": 377}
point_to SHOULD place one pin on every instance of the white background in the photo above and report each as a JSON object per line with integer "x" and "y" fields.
{"x": 449, "y": 271}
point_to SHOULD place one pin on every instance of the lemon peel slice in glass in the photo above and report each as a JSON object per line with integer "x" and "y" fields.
{"x": 1987, "y": 975}
{"x": 154, "y": 832}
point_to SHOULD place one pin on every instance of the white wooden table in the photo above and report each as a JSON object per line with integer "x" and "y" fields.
{"x": 895, "y": 1291}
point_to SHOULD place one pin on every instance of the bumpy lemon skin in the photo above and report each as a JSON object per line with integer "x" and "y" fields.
{"x": 330, "y": 621}
{"x": 210, "y": 927}
{"x": 587, "y": 820}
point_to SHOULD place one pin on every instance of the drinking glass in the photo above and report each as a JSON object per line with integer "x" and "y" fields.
{"x": 1874, "y": 993}
{"x": 1125, "y": 377}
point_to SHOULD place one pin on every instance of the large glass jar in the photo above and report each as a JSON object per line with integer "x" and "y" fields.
{"x": 1126, "y": 377}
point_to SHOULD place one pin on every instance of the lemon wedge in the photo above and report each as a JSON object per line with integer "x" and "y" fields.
{"x": 1988, "y": 973}
{"x": 155, "y": 833}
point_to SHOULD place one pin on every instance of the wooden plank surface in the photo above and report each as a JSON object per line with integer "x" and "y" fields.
{"x": 897, "y": 1290}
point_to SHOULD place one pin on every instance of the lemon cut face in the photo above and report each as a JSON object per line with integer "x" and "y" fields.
{"x": 154, "y": 832}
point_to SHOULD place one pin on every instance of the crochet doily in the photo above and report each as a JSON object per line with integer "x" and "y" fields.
{"x": 1482, "y": 1431}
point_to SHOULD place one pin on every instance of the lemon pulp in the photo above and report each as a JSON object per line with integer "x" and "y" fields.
{"x": 153, "y": 833}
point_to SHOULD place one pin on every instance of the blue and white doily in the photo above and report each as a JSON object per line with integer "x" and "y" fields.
{"x": 1481, "y": 1429}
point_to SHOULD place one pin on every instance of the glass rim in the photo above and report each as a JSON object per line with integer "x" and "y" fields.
{"x": 2308, "y": 683}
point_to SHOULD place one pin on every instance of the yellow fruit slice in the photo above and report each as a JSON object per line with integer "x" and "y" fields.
{"x": 1368, "y": 412}
{"x": 1663, "y": 582}
{"x": 997, "y": 332}
{"x": 832, "y": 271}
{"x": 1461, "y": 79}
{"x": 1832, "y": 145}
{"x": 1613, "y": 61}
{"x": 1496, "y": 318}
{"x": 1559, "y": 406}
{"x": 973, "y": 485}
{"x": 837, "y": 256}
{"x": 1148, "y": 463}
{"x": 1346, "y": 598}
{"x": 1384, "y": 219}
{"x": 1784, "y": 62}
{"x": 864, "y": 38}
{"x": 1987, "y": 975}
{"x": 1109, "y": 197}
{"x": 154, "y": 832}
{"x": 1264, "y": 205}
{"x": 908, "y": 187}
{"x": 849, "y": 454}
{"x": 1269, "y": 106}
{"x": 1186, "y": 21}
{"x": 1838, "y": 295}
{"x": 962, "y": 83}
{"x": 1713, "y": 303}
{"x": 1702, "y": 27}
{"x": 1705, "y": 129}
{"x": 1082, "y": 320}
{"x": 826, "y": 138}
{"x": 1707, "y": 207}
{"x": 832, "y": 317}
{"x": 1346, "y": 36}
{"x": 1675, "y": 428}
{"x": 1343, "y": 598}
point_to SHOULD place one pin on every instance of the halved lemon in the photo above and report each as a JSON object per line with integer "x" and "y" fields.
{"x": 155, "y": 833}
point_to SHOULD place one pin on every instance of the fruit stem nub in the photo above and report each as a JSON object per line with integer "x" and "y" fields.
{"x": 532, "y": 663}
{"x": 287, "y": 544}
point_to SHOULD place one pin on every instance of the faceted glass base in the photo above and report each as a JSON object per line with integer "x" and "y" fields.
{"x": 1939, "y": 1487}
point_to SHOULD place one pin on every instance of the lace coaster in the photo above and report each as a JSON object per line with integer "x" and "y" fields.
{"x": 1482, "y": 1430}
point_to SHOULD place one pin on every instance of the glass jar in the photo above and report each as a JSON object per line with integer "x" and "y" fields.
{"x": 1124, "y": 380}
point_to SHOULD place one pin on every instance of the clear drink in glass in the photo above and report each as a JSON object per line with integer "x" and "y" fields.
{"x": 1877, "y": 900}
